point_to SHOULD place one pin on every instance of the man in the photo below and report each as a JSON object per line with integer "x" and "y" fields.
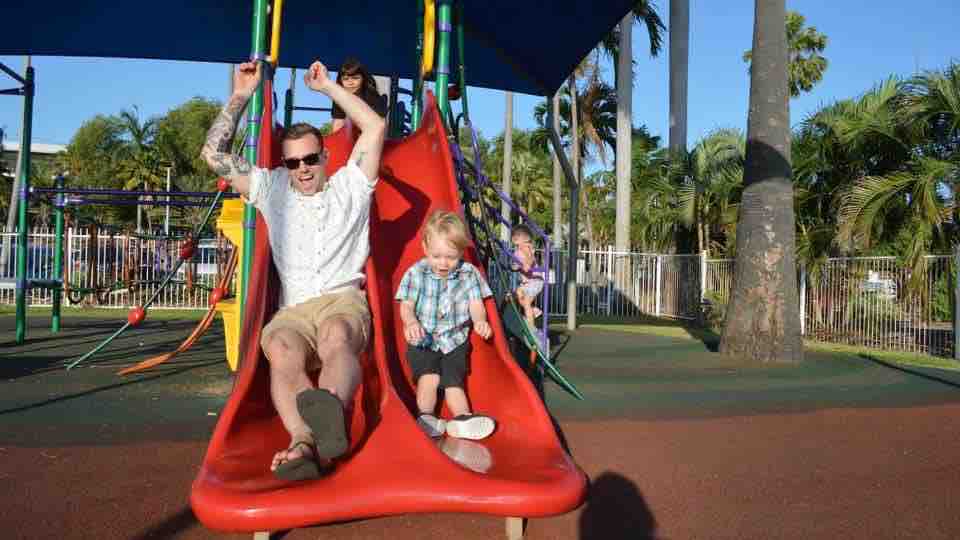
{"x": 319, "y": 237}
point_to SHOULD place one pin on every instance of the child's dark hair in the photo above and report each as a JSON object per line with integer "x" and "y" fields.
{"x": 352, "y": 66}
{"x": 522, "y": 229}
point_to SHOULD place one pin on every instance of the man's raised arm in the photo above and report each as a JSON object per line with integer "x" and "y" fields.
{"x": 366, "y": 153}
{"x": 216, "y": 151}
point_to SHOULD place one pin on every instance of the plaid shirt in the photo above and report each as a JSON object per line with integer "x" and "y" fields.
{"x": 443, "y": 306}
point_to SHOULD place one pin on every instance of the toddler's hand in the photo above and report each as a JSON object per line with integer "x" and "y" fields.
{"x": 483, "y": 329}
{"x": 413, "y": 332}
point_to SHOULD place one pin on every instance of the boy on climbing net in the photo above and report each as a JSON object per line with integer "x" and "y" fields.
{"x": 441, "y": 297}
{"x": 531, "y": 284}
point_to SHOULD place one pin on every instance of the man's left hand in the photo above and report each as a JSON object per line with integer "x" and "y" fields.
{"x": 317, "y": 78}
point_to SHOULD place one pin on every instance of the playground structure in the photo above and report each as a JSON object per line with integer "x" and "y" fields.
{"x": 531, "y": 473}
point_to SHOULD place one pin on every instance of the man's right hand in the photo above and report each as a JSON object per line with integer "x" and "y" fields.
{"x": 246, "y": 78}
{"x": 413, "y": 332}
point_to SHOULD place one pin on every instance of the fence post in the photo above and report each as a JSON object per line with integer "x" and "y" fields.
{"x": 611, "y": 275}
{"x": 703, "y": 276}
{"x": 956, "y": 300}
{"x": 659, "y": 263}
{"x": 803, "y": 299}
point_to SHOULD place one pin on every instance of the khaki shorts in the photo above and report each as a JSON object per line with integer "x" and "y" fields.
{"x": 306, "y": 318}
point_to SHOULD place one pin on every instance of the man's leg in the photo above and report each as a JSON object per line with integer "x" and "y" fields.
{"x": 339, "y": 345}
{"x": 288, "y": 352}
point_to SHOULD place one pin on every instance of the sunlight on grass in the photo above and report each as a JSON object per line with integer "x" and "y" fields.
{"x": 667, "y": 328}
{"x": 105, "y": 313}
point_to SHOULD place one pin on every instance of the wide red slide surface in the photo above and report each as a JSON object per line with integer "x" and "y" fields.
{"x": 392, "y": 467}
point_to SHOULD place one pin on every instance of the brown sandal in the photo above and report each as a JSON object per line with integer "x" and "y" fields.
{"x": 304, "y": 467}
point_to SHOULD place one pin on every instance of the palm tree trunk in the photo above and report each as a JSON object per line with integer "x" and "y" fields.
{"x": 706, "y": 237}
{"x": 679, "y": 53}
{"x": 574, "y": 234}
{"x": 624, "y": 159}
{"x": 507, "y": 164}
{"x": 624, "y": 132}
{"x": 557, "y": 180}
{"x": 762, "y": 321}
{"x": 700, "y": 239}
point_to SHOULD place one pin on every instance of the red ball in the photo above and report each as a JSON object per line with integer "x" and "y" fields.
{"x": 136, "y": 316}
{"x": 215, "y": 296}
{"x": 186, "y": 250}
{"x": 223, "y": 185}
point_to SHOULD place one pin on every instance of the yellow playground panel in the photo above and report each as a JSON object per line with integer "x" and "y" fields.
{"x": 230, "y": 223}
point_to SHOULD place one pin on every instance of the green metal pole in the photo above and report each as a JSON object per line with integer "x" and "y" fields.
{"x": 21, "y": 284}
{"x": 394, "y": 131}
{"x": 416, "y": 103}
{"x": 254, "y": 110}
{"x": 58, "y": 256}
{"x": 463, "y": 63}
{"x": 444, "y": 20}
{"x": 288, "y": 100}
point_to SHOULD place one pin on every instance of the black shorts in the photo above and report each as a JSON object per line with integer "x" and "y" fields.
{"x": 452, "y": 367}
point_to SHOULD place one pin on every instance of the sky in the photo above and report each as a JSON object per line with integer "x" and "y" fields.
{"x": 869, "y": 40}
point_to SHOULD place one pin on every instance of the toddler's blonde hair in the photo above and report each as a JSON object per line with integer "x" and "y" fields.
{"x": 448, "y": 225}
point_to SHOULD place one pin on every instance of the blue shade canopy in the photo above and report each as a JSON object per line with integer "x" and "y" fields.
{"x": 525, "y": 46}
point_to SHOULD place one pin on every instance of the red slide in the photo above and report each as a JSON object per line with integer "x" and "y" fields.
{"x": 392, "y": 467}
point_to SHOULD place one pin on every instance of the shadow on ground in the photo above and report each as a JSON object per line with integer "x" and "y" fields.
{"x": 616, "y": 510}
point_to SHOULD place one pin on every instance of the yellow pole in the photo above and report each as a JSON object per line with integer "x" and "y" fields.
{"x": 275, "y": 33}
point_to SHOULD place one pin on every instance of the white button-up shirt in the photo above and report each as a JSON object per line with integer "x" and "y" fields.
{"x": 319, "y": 242}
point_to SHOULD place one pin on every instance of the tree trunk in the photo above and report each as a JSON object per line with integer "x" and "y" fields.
{"x": 624, "y": 158}
{"x": 507, "y": 165}
{"x": 574, "y": 234}
{"x": 706, "y": 237}
{"x": 679, "y": 53}
{"x": 25, "y": 146}
{"x": 624, "y": 132}
{"x": 700, "y": 242}
{"x": 763, "y": 321}
{"x": 557, "y": 180}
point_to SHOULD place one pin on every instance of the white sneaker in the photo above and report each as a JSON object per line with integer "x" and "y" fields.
{"x": 471, "y": 426}
{"x": 431, "y": 425}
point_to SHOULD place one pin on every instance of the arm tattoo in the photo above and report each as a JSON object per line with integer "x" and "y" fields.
{"x": 217, "y": 148}
{"x": 360, "y": 155}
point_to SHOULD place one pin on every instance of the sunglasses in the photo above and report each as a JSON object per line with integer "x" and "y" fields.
{"x": 309, "y": 160}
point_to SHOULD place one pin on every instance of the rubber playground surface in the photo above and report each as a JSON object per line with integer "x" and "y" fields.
{"x": 677, "y": 442}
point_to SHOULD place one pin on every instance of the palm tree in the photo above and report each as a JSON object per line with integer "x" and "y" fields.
{"x": 679, "y": 54}
{"x": 710, "y": 177}
{"x": 618, "y": 44}
{"x": 557, "y": 181}
{"x": 140, "y": 165}
{"x": 805, "y": 62}
{"x": 934, "y": 101}
{"x": 532, "y": 192}
{"x": 762, "y": 321}
{"x": 507, "y": 164}
{"x": 907, "y": 138}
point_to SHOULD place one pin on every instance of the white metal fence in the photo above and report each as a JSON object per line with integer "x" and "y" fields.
{"x": 868, "y": 301}
{"x": 110, "y": 267}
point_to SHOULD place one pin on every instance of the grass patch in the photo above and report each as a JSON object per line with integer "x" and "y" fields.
{"x": 893, "y": 357}
{"x": 107, "y": 313}
{"x": 673, "y": 329}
